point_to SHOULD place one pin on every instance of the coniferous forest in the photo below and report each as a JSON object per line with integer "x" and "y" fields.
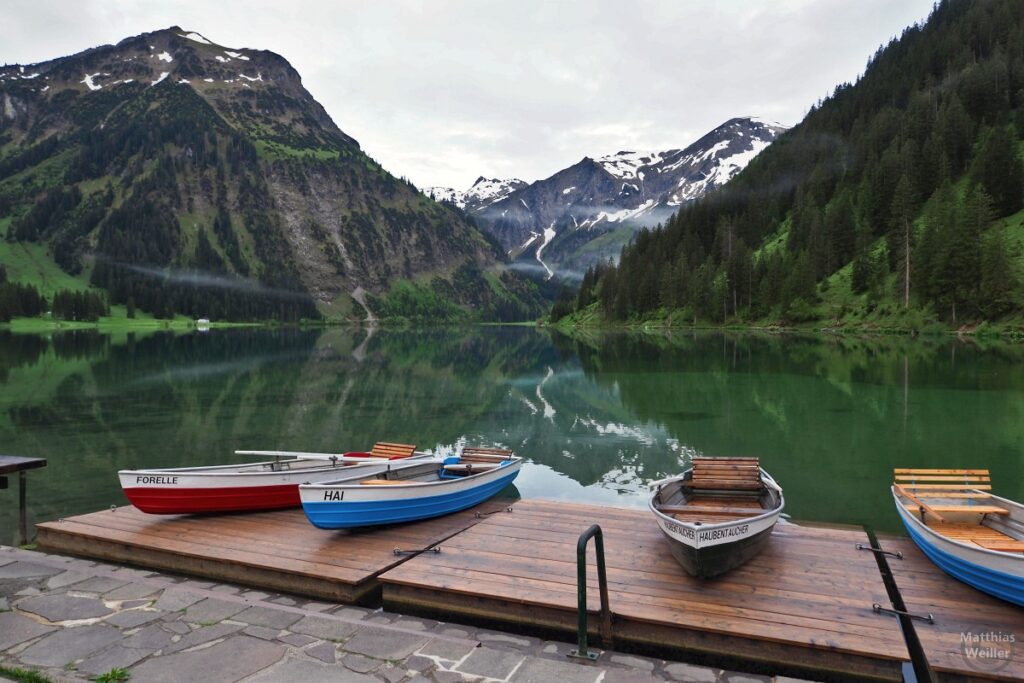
{"x": 901, "y": 193}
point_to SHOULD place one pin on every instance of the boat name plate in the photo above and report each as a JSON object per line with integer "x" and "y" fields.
{"x": 149, "y": 479}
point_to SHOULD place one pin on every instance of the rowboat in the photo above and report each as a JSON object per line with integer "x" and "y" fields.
{"x": 265, "y": 485}
{"x": 969, "y": 533}
{"x": 718, "y": 514}
{"x": 406, "y": 492}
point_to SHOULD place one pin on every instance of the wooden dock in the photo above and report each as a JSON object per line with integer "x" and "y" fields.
{"x": 804, "y": 605}
{"x": 278, "y": 550}
{"x": 958, "y": 609}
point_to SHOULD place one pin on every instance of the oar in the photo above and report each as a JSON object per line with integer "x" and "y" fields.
{"x": 333, "y": 457}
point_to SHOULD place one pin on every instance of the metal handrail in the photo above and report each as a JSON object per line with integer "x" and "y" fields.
{"x": 582, "y": 652}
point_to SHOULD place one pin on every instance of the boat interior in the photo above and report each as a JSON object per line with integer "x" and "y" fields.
{"x": 718, "y": 490}
{"x": 959, "y": 505}
{"x": 470, "y": 461}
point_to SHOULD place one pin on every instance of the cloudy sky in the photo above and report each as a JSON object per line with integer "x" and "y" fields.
{"x": 444, "y": 91}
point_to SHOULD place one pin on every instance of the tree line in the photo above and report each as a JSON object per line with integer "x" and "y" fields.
{"x": 893, "y": 182}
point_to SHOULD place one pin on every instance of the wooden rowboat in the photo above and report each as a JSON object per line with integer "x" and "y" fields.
{"x": 410, "y": 491}
{"x": 969, "y": 533}
{"x": 718, "y": 514}
{"x": 265, "y": 485}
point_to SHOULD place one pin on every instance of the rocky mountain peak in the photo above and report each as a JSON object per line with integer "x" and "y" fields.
{"x": 618, "y": 192}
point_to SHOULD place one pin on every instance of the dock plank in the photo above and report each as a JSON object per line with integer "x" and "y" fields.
{"x": 279, "y": 550}
{"x": 958, "y": 609}
{"x": 805, "y": 601}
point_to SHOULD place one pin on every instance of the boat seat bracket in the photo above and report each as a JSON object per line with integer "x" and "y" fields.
{"x": 878, "y": 609}
{"x": 400, "y": 551}
{"x": 880, "y": 551}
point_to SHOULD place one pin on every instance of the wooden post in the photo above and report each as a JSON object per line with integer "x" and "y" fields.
{"x": 22, "y": 507}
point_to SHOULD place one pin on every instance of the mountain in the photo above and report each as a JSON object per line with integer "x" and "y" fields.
{"x": 896, "y": 202}
{"x": 183, "y": 176}
{"x": 585, "y": 213}
{"x": 483, "y": 193}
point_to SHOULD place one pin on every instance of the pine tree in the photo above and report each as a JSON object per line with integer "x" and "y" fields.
{"x": 901, "y": 234}
{"x": 999, "y": 170}
{"x": 998, "y": 278}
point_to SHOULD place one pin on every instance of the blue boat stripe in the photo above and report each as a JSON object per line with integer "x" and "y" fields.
{"x": 1000, "y": 584}
{"x": 349, "y": 514}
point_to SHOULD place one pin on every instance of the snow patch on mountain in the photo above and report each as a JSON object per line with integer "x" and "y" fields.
{"x": 89, "y": 83}
{"x": 549, "y": 234}
{"x": 482, "y": 193}
{"x": 196, "y": 37}
{"x": 165, "y": 57}
{"x": 625, "y": 165}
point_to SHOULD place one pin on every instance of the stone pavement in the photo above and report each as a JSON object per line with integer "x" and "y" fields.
{"x": 73, "y": 620}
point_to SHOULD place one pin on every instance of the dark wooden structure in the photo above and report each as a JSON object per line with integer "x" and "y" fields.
{"x": 958, "y": 610}
{"x": 804, "y": 605}
{"x": 10, "y": 464}
{"x": 279, "y": 550}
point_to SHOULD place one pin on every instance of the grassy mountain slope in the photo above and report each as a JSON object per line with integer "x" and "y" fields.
{"x": 186, "y": 177}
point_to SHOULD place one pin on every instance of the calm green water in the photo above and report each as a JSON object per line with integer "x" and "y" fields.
{"x": 596, "y": 419}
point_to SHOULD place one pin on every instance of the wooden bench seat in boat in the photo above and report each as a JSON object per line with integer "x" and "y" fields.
{"x": 979, "y": 534}
{"x": 387, "y": 482}
{"x": 392, "y": 451}
{"x": 726, "y": 474}
{"x": 976, "y": 509}
{"x": 1010, "y": 546}
{"x": 711, "y": 512}
{"x": 468, "y": 467}
{"x": 919, "y": 484}
{"x": 943, "y": 480}
{"x": 472, "y": 454}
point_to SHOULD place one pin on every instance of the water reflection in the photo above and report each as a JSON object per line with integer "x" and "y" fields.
{"x": 597, "y": 416}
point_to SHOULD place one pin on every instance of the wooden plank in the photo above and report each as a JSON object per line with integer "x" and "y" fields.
{"x": 392, "y": 451}
{"x": 809, "y": 593}
{"x": 927, "y": 508}
{"x": 978, "y": 509}
{"x": 723, "y": 485}
{"x": 939, "y": 494}
{"x": 899, "y": 470}
{"x": 1010, "y": 546}
{"x": 939, "y": 478}
{"x": 946, "y": 487}
{"x": 277, "y": 549}
{"x": 958, "y": 609}
{"x": 710, "y": 511}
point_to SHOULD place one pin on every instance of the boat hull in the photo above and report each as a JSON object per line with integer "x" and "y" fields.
{"x": 997, "y": 574}
{"x": 174, "y": 492}
{"x": 363, "y": 506}
{"x": 709, "y": 550}
{"x": 711, "y": 561}
{"x": 172, "y": 501}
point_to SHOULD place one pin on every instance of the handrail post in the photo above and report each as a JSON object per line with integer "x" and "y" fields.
{"x": 582, "y": 651}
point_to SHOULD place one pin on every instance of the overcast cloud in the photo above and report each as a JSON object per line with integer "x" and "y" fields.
{"x": 442, "y": 92}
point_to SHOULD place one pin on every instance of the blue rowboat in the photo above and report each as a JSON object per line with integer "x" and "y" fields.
{"x": 969, "y": 533}
{"x": 407, "y": 492}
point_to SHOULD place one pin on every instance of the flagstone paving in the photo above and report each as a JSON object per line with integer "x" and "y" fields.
{"x": 74, "y": 620}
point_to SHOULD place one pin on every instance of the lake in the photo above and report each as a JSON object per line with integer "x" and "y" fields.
{"x": 596, "y": 417}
